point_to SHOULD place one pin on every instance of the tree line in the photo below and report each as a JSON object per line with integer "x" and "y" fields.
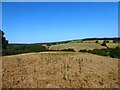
{"x": 12, "y": 49}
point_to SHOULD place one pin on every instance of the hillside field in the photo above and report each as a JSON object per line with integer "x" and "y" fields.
{"x": 77, "y": 46}
{"x": 59, "y": 70}
{"x": 113, "y": 45}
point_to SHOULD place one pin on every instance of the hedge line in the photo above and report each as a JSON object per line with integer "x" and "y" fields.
{"x": 112, "y": 52}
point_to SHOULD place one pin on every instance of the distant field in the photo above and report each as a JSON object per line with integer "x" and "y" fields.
{"x": 113, "y": 45}
{"x": 59, "y": 70}
{"x": 77, "y": 46}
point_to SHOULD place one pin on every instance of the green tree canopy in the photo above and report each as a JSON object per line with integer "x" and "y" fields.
{"x": 3, "y": 41}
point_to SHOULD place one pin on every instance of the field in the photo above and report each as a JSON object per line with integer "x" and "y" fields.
{"x": 77, "y": 46}
{"x": 59, "y": 70}
{"x": 113, "y": 45}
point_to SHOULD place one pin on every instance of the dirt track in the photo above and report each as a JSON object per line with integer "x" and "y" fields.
{"x": 59, "y": 70}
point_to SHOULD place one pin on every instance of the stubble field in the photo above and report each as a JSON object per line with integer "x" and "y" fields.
{"x": 59, "y": 70}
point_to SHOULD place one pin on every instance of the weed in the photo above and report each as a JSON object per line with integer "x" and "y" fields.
{"x": 65, "y": 76}
{"x": 68, "y": 66}
{"x": 82, "y": 59}
{"x": 18, "y": 59}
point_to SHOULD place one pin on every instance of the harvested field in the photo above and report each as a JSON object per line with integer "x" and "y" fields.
{"x": 77, "y": 46}
{"x": 59, "y": 70}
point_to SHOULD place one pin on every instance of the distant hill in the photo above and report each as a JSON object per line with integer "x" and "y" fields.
{"x": 116, "y": 39}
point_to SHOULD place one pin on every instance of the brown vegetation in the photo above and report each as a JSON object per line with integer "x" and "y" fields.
{"x": 59, "y": 70}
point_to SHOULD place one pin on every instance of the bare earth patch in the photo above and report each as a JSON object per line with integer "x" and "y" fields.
{"x": 59, "y": 70}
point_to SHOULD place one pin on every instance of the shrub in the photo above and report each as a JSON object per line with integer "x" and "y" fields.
{"x": 112, "y": 52}
{"x": 115, "y": 52}
{"x": 97, "y": 41}
{"x": 102, "y": 52}
{"x": 104, "y": 43}
{"x": 114, "y": 41}
{"x": 90, "y": 51}
{"x": 84, "y": 50}
{"x": 69, "y": 49}
{"x": 52, "y": 50}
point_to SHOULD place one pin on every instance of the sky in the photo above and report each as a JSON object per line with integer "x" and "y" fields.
{"x": 36, "y": 22}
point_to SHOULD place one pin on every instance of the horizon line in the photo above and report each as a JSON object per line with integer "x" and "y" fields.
{"x": 59, "y": 40}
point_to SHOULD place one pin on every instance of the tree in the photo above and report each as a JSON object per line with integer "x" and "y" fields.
{"x": 107, "y": 41}
{"x": 104, "y": 43}
{"x": 3, "y": 41}
{"x": 97, "y": 41}
{"x": 114, "y": 41}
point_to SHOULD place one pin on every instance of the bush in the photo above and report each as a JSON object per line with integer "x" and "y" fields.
{"x": 84, "y": 50}
{"x": 90, "y": 51}
{"x": 104, "y": 43}
{"x": 115, "y": 52}
{"x": 97, "y": 41}
{"x": 102, "y": 52}
{"x": 52, "y": 50}
{"x": 112, "y": 52}
{"x": 69, "y": 49}
{"x": 114, "y": 41}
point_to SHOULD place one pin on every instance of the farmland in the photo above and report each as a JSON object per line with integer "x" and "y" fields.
{"x": 59, "y": 70}
{"x": 77, "y": 46}
{"x": 64, "y": 64}
{"x": 59, "y": 45}
{"x": 113, "y": 45}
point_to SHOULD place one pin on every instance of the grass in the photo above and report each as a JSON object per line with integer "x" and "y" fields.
{"x": 113, "y": 44}
{"x": 18, "y": 59}
{"x": 76, "y": 46}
